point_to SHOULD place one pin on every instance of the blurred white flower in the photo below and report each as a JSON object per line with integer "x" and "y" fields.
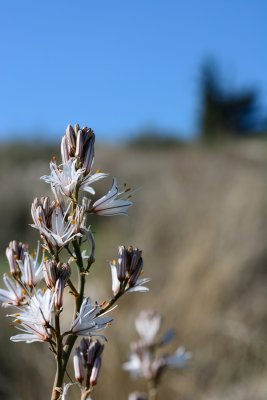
{"x": 179, "y": 359}
{"x": 113, "y": 203}
{"x": 148, "y": 324}
{"x": 134, "y": 365}
{"x": 137, "y": 396}
{"x": 142, "y": 364}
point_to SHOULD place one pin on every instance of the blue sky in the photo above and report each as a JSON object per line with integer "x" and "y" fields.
{"x": 119, "y": 65}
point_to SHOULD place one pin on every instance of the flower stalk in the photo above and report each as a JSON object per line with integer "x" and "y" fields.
{"x": 35, "y": 288}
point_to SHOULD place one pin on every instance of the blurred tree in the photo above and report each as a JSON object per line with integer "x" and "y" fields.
{"x": 225, "y": 112}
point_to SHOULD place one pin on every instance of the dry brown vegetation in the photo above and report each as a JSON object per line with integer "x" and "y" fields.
{"x": 200, "y": 218}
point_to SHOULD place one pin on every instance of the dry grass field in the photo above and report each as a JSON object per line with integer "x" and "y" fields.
{"x": 200, "y": 217}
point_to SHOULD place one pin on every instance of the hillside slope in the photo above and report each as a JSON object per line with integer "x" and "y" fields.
{"x": 201, "y": 218}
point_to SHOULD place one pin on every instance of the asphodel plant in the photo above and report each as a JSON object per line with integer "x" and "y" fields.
{"x": 37, "y": 281}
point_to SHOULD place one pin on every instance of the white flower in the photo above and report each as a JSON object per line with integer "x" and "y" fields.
{"x": 179, "y": 359}
{"x": 140, "y": 364}
{"x": 113, "y": 203}
{"x": 87, "y": 322}
{"x": 115, "y": 281}
{"x": 67, "y": 179}
{"x": 39, "y": 311}
{"x": 134, "y": 365}
{"x": 14, "y": 295}
{"x": 137, "y": 285}
{"x": 32, "y": 333}
{"x": 63, "y": 229}
{"x": 148, "y": 324}
{"x": 125, "y": 273}
{"x": 36, "y": 318}
{"x": 31, "y": 270}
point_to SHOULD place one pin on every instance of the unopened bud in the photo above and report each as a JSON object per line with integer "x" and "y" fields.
{"x": 94, "y": 351}
{"x": 135, "y": 257}
{"x": 89, "y": 142}
{"x": 59, "y": 290}
{"x": 50, "y": 273}
{"x": 76, "y": 129}
{"x": 77, "y": 364}
{"x": 84, "y": 346}
{"x": 95, "y": 371}
{"x": 70, "y": 137}
{"x": 122, "y": 261}
{"x": 64, "y": 150}
{"x": 56, "y": 276}
{"x": 79, "y": 145}
{"x": 136, "y": 273}
{"x": 16, "y": 251}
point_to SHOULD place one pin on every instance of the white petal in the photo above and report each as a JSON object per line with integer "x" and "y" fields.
{"x": 25, "y": 337}
{"x": 141, "y": 289}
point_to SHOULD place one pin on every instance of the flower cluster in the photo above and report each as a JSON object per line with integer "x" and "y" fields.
{"x": 87, "y": 363}
{"x": 145, "y": 362}
{"x": 126, "y": 271}
{"x": 36, "y": 284}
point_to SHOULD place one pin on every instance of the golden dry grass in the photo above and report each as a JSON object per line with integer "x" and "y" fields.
{"x": 200, "y": 217}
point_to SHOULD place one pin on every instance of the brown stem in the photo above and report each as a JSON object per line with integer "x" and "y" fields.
{"x": 152, "y": 389}
{"x": 109, "y": 304}
{"x": 59, "y": 374}
{"x": 79, "y": 298}
{"x": 73, "y": 288}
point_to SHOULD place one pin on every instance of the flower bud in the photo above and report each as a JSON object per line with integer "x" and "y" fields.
{"x": 79, "y": 145}
{"x": 122, "y": 261}
{"x": 56, "y": 276}
{"x": 59, "y": 289}
{"x": 64, "y": 150}
{"x": 50, "y": 273}
{"x": 95, "y": 371}
{"x": 84, "y": 346}
{"x": 89, "y": 151}
{"x": 135, "y": 255}
{"x": 70, "y": 138}
{"x": 77, "y": 364}
{"x": 16, "y": 251}
{"x": 41, "y": 211}
{"x": 136, "y": 272}
{"x": 94, "y": 351}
